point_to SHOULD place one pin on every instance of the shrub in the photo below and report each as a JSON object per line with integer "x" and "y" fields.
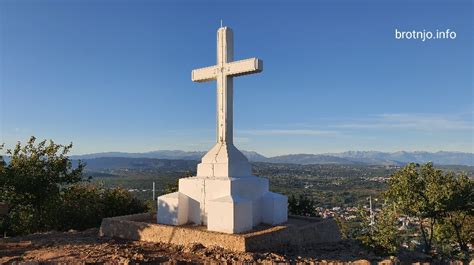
{"x": 303, "y": 206}
{"x": 84, "y": 205}
{"x": 44, "y": 191}
{"x": 442, "y": 202}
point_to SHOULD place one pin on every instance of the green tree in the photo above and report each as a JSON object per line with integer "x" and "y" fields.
{"x": 455, "y": 197}
{"x": 33, "y": 179}
{"x": 381, "y": 235}
{"x": 84, "y": 205}
{"x": 460, "y": 210}
{"x": 436, "y": 199}
{"x": 44, "y": 191}
{"x": 408, "y": 190}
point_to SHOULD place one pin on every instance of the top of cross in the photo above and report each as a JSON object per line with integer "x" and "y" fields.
{"x": 223, "y": 72}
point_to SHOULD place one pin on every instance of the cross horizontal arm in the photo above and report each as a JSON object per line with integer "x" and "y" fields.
{"x": 204, "y": 74}
{"x": 244, "y": 67}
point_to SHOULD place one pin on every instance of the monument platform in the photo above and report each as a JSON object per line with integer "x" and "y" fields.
{"x": 297, "y": 231}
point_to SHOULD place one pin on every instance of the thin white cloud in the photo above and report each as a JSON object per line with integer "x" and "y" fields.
{"x": 288, "y": 132}
{"x": 419, "y": 122}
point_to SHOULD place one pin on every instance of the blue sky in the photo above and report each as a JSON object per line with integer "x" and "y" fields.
{"x": 115, "y": 75}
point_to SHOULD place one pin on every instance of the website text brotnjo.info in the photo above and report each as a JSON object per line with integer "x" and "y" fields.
{"x": 425, "y": 35}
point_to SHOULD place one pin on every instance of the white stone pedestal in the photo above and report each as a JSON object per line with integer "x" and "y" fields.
{"x": 225, "y": 204}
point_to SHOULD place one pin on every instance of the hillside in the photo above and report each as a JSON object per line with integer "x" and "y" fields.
{"x": 172, "y": 165}
{"x": 344, "y": 158}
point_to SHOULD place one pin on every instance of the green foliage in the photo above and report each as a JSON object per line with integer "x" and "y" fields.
{"x": 151, "y": 206}
{"x": 458, "y": 200}
{"x": 381, "y": 235}
{"x": 32, "y": 181}
{"x": 344, "y": 227}
{"x": 302, "y": 206}
{"x": 171, "y": 187}
{"x": 84, "y": 205}
{"x": 409, "y": 189}
{"x": 444, "y": 236}
{"x": 442, "y": 202}
{"x": 40, "y": 185}
{"x": 456, "y": 224}
{"x": 2, "y": 162}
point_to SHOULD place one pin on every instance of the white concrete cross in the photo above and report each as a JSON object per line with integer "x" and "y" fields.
{"x": 224, "y": 195}
{"x": 223, "y": 72}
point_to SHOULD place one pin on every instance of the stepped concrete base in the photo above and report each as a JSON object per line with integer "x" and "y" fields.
{"x": 298, "y": 231}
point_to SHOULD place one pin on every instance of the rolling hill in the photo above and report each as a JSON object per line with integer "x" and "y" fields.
{"x": 349, "y": 158}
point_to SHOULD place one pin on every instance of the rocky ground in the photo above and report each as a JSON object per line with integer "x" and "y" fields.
{"x": 87, "y": 247}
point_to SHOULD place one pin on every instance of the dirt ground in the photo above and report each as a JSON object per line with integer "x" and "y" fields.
{"x": 87, "y": 247}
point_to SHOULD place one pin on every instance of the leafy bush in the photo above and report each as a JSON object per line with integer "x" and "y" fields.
{"x": 382, "y": 235}
{"x": 439, "y": 205}
{"x": 303, "y": 206}
{"x": 31, "y": 182}
{"x": 442, "y": 202}
{"x": 84, "y": 205}
{"x": 45, "y": 192}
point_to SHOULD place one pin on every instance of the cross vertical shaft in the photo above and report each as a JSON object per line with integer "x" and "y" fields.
{"x": 225, "y": 86}
{"x": 224, "y": 72}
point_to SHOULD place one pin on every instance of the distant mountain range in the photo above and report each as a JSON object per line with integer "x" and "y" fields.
{"x": 171, "y": 165}
{"x": 350, "y": 158}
